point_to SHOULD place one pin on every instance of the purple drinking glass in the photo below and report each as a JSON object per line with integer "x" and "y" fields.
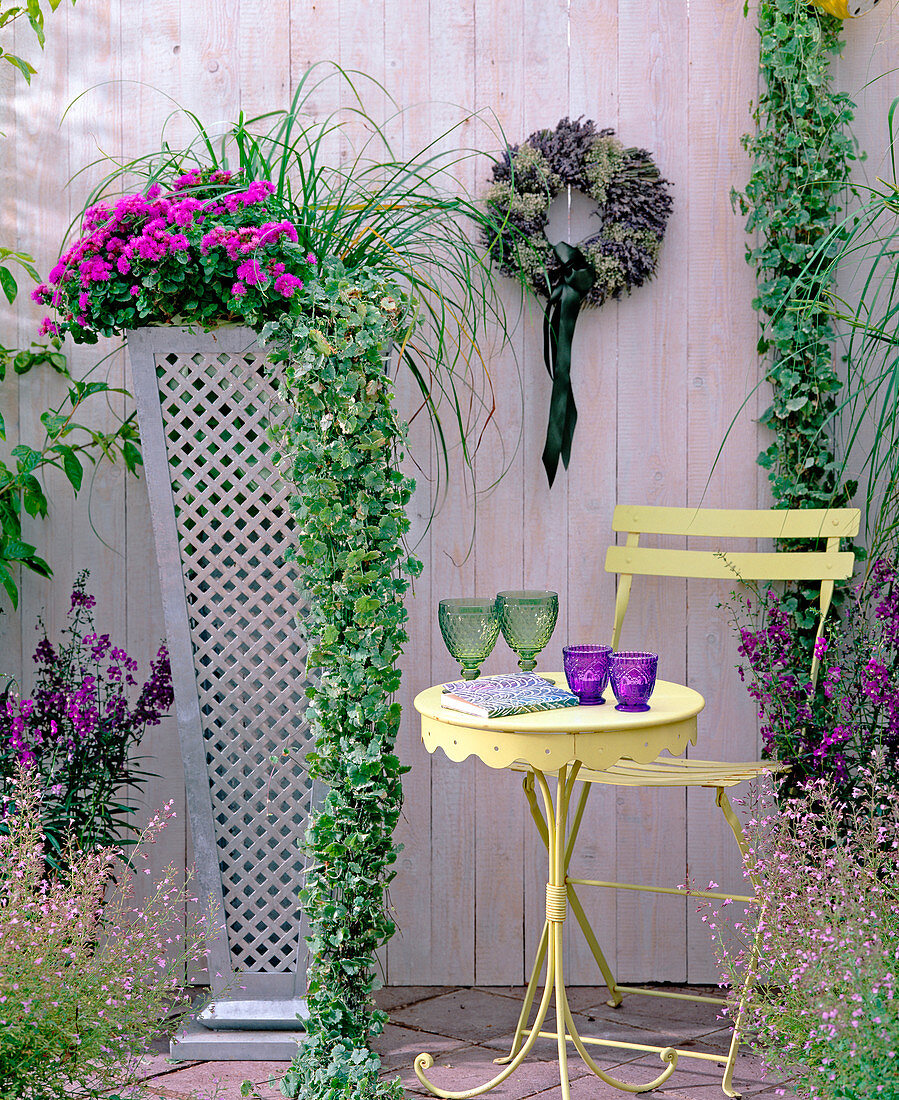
{"x": 587, "y": 671}
{"x": 633, "y": 678}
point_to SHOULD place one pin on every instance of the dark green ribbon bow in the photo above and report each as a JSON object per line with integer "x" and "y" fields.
{"x": 570, "y": 287}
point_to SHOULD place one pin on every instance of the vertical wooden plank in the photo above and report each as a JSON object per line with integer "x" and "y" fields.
{"x": 652, "y": 446}
{"x": 97, "y": 531}
{"x": 453, "y": 786}
{"x": 866, "y": 70}
{"x": 10, "y": 620}
{"x": 591, "y": 479}
{"x": 210, "y": 38}
{"x": 722, "y": 370}
{"x": 161, "y": 746}
{"x": 263, "y": 47}
{"x": 361, "y": 41}
{"x": 545, "y": 516}
{"x": 409, "y": 954}
{"x": 41, "y": 162}
{"x": 314, "y": 37}
{"x": 152, "y": 51}
{"x": 502, "y": 843}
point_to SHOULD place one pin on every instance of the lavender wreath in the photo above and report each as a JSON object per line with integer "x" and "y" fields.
{"x": 633, "y": 206}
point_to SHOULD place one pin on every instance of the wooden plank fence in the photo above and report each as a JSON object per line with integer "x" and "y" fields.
{"x": 658, "y": 378}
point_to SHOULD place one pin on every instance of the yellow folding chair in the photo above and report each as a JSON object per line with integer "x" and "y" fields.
{"x": 713, "y": 562}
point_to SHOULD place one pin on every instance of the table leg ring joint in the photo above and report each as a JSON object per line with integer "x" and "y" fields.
{"x": 556, "y": 902}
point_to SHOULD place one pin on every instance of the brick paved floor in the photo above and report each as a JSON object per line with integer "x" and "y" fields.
{"x": 465, "y": 1029}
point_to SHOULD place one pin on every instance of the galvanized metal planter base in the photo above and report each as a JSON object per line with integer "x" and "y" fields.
{"x": 221, "y": 527}
{"x": 241, "y": 1015}
{"x": 197, "y": 1042}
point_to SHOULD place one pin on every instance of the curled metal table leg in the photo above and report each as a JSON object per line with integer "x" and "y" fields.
{"x": 551, "y": 945}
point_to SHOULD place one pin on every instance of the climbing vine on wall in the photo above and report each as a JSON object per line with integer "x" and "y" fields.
{"x": 802, "y": 155}
{"x": 339, "y": 449}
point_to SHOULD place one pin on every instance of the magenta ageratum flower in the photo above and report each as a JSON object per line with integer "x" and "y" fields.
{"x": 187, "y": 247}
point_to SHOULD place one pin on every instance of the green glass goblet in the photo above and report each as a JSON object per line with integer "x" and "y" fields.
{"x": 470, "y": 628}
{"x": 527, "y": 620}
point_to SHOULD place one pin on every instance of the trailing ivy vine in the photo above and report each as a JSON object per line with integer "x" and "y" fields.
{"x": 802, "y": 152}
{"x": 802, "y": 155}
{"x": 339, "y": 448}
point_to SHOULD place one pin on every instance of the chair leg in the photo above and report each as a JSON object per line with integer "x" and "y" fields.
{"x": 723, "y": 803}
{"x": 727, "y": 1081}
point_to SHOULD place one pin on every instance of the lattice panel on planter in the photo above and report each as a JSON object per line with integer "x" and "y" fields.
{"x": 233, "y": 527}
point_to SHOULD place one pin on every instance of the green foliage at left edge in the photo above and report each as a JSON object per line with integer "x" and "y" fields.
{"x": 66, "y": 442}
{"x": 69, "y": 446}
{"x": 339, "y": 448}
{"x": 32, "y": 12}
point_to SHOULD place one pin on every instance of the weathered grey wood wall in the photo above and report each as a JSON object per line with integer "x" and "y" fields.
{"x": 658, "y": 379}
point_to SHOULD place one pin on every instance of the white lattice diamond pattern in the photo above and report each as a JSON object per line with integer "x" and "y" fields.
{"x": 233, "y": 528}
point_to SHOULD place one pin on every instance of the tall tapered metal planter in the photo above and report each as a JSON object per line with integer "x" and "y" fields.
{"x": 221, "y": 527}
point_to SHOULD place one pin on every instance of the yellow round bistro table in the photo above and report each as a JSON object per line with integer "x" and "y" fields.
{"x": 564, "y": 744}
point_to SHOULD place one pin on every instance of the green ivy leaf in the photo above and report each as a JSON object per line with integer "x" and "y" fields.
{"x": 6, "y": 579}
{"x": 16, "y": 550}
{"x": 28, "y": 458}
{"x": 8, "y": 283}
{"x": 53, "y": 423}
{"x": 25, "y": 68}
{"x": 71, "y": 465}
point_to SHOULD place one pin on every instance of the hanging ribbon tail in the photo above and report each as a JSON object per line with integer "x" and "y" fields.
{"x": 571, "y": 286}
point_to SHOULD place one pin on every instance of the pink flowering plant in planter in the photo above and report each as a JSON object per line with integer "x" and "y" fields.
{"x": 819, "y": 949}
{"x": 398, "y": 262}
{"x": 208, "y": 249}
{"x": 74, "y": 737}
{"x": 835, "y": 730}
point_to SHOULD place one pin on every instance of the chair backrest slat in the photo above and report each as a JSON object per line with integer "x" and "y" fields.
{"x": 719, "y": 563}
{"x": 799, "y": 523}
{"x": 729, "y": 565}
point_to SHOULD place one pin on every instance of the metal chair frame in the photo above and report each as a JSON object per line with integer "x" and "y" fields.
{"x": 631, "y": 559}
